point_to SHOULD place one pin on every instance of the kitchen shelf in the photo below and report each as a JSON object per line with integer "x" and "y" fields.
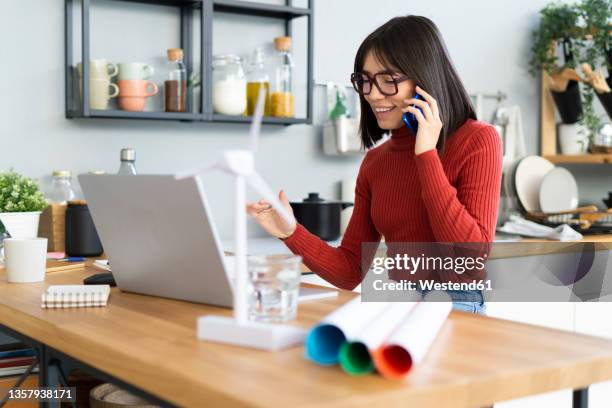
{"x": 236, "y": 7}
{"x": 94, "y": 113}
{"x": 266, "y": 119}
{"x": 191, "y": 11}
{"x": 595, "y": 158}
{"x": 259, "y": 9}
{"x": 171, "y": 3}
{"x": 548, "y": 132}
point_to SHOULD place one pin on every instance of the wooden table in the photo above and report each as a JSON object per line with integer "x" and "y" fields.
{"x": 149, "y": 345}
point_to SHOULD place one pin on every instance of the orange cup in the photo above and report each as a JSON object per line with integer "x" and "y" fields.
{"x": 133, "y": 93}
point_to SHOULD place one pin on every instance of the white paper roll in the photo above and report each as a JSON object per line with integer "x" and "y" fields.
{"x": 411, "y": 340}
{"x": 356, "y": 355}
{"x": 324, "y": 340}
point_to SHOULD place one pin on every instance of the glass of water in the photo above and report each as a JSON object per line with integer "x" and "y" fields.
{"x": 274, "y": 287}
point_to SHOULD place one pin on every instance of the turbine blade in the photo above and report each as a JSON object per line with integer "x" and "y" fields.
{"x": 256, "y": 123}
{"x": 258, "y": 184}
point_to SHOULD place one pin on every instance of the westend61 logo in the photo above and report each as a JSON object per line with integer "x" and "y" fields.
{"x": 498, "y": 271}
{"x": 411, "y": 264}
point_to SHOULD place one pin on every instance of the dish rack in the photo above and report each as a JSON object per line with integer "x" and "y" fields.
{"x": 587, "y": 220}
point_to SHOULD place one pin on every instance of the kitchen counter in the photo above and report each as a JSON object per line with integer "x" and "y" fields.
{"x": 148, "y": 345}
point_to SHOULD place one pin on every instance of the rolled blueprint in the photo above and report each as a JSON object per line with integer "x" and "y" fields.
{"x": 355, "y": 355}
{"x": 325, "y": 339}
{"x": 411, "y": 340}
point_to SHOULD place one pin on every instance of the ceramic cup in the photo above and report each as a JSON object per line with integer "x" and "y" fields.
{"x": 134, "y": 70}
{"x": 100, "y": 93}
{"x": 133, "y": 93}
{"x": 99, "y": 69}
{"x": 25, "y": 259}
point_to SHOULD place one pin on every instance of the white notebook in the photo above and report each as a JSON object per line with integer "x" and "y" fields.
{"x": 68, "y": 296}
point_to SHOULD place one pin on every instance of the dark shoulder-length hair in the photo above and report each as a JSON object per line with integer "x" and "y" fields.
{"x": 414, "y": 46}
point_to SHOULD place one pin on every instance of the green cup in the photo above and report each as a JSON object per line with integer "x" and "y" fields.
{"x": 134, "y": 70}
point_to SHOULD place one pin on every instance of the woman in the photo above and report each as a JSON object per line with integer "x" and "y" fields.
{"x": 440, "y": 185}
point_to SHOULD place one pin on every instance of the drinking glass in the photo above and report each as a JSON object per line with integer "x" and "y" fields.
{"x": 274, "y": 283}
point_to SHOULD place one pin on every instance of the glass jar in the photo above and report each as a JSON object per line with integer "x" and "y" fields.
{"x": 61, "y": 187}
{"x": 229, "y": 88}
{"x": 282, "y": 99}
{"x": 604, "y": 136}
{"x": 175, "y": 87}
{"x": 258, "y": 80}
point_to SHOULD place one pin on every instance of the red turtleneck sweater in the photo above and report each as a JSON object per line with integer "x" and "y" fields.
{"x": 414, "y": 198}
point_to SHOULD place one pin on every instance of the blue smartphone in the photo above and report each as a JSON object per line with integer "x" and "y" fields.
{"x": 410, "y": 120}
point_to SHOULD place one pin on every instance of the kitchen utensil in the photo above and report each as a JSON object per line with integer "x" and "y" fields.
{"x": 558, "y": 191}
{"x": 320, "y": 217}
{"x": 341, "y": 137}
{"x": 529, "y": 174}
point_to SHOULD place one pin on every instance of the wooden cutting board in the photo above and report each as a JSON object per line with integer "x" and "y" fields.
{"x": 56, "y": 266}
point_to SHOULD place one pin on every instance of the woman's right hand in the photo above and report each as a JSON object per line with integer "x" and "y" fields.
{"x": 269, "y": 219}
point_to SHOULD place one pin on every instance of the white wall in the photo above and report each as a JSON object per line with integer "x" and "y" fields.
{"x": 488, "y": 42}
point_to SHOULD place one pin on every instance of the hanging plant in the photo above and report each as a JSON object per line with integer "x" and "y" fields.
{"x": 557, "y": 23}
{"x": 594, "y": 48}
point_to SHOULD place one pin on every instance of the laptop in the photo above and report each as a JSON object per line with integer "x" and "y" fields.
{"x": 159, "y": 237}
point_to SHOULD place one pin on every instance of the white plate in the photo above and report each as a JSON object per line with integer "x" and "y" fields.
{"x": 529, "y": 174}
{"x": 558, "y": 191}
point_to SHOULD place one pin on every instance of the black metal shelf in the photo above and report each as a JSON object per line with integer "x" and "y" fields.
{"x": 285, "y": 12}
{"x": 144, "y": 115}
{"x": 183, "y": 116}
{"x": 171, "y": 3}
{"x": 270, "y": 120}
{"x": 78, "y": 107}
{"x": 259, "y": 9}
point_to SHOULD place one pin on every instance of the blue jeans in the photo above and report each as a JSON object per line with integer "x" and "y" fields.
{"x": 470, "y": 301}
{"x": 471, "y": 307}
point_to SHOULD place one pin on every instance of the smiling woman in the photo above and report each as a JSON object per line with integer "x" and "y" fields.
{"x": 438, "y": 184}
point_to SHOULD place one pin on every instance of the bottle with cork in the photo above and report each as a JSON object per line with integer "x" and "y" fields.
{"x": 175, "y": 87}
{"x": 281, "y": 99}
{"x": 257, "y": 80}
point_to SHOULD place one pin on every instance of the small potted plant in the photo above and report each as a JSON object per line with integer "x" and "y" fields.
{"x": 595, "y": 46}
{"x": 21, "y": 203}
{"x": 557, "y": 27}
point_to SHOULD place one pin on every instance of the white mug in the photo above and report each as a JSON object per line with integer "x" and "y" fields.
{"x": 25, "y": 259}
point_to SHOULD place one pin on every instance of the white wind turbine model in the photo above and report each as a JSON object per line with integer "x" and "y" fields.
{"x": 239, "y": 330}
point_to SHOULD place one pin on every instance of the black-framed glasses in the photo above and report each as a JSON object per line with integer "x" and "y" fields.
{"x": 385, "y": 82}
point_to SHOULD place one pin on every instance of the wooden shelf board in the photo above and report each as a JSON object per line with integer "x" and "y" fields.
{"x": 596, "y": 158}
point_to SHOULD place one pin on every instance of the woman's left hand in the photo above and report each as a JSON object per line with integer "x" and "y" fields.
{"x": 430, "y": 123}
